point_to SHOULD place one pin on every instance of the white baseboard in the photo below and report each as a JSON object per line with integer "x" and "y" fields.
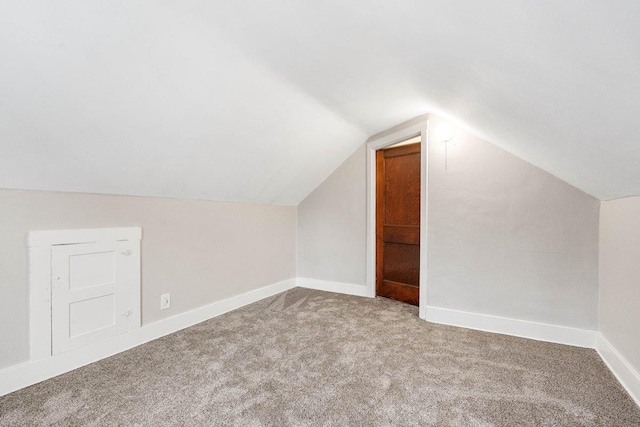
{"x": 25, "y": 374}
{"x": 338, "y": 287}
{"x": 519, "y": 328}
{"x": 626, "y": 374}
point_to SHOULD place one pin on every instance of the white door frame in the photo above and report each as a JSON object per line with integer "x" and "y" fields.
{"x": 39, "y": 244}
{"x": 399, "y": 134}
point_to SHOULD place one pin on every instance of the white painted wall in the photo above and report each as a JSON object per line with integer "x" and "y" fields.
{"x": 260, "y": 101}
{"x": 332, "y": 225}
{"x": 508, "y": 239}
{"x": 199, "y": 251}
{"x": 619, "y": 316}
{"x": 505, "y": 238}
{"x": 151, "y": 99}
{"x": 529, "y": 76}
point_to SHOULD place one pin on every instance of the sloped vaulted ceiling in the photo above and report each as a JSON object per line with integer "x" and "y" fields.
{"x": 259, "y": 101}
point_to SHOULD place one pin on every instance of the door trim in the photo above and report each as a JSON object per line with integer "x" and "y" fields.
{"x": 39, "y": 245}
{"x": 413, "y": 128}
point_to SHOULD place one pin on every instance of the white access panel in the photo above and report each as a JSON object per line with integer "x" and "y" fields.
{"x": 94, "y": 292}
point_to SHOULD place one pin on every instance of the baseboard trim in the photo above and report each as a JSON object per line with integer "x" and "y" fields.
{"x": 25, "y": 374}
{"x": 624, "y": 372}
{"x": 329, "y": 286}
{"x": 519, "y": 328}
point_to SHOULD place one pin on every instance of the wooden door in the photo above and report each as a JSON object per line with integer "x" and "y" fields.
{"x": 398, "y": 223}
{"x": 91, "y": 293}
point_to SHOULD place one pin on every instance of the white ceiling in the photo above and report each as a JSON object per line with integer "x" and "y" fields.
{"x": 259, "y": 101}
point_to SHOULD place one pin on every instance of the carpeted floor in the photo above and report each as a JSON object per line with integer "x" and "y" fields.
{"x": 311, "y": 358}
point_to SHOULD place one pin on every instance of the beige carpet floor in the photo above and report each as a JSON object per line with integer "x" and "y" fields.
{"x": 310, "y": 358}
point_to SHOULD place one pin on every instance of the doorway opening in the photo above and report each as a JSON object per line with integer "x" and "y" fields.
{"x": 398, "y": 221}
{"x": 406, "y": 243}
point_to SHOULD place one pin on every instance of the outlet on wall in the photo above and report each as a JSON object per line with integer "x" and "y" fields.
{"x": 165, "y": 301}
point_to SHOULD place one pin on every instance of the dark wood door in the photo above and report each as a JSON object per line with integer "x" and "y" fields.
{"x": 398, "y": 223}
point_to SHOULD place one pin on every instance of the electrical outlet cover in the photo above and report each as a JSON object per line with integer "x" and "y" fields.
{"x": 165, "y": 301}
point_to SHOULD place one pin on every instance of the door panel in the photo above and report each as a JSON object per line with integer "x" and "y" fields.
{"x": 92, "y": 269}
{"x": 402, "y": 263}
{"x": 402, "y": 189}
{"x": 91, "y": 314}
{"x": 399, "y": 234}
{"x": 90, "y": 299}
{"x": 398, "y": 223}
{"x": 399, "y": 292}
